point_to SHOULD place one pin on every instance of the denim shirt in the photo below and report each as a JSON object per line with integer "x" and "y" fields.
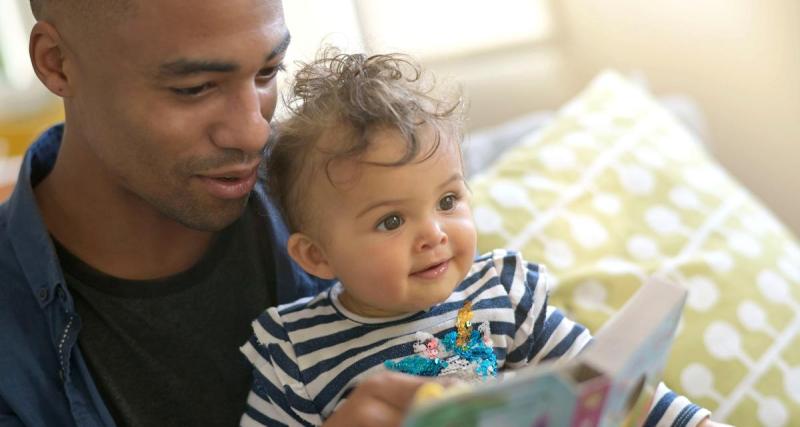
{"x": 44, "y": 380}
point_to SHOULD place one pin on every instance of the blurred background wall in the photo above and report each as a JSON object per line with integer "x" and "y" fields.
{"x": 739, "y": 60}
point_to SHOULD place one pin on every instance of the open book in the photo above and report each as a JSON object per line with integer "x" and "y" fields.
{"x": 611, "y": 383}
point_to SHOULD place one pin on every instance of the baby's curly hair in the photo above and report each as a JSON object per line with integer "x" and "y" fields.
{"x": 350, "y": 97}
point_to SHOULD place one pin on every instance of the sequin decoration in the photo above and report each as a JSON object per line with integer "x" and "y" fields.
{"x": 464, "y": 324}
{"x": 465, "y": 353}
{"x": 417, "y": 365}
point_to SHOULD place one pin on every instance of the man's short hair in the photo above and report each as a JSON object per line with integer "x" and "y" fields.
{"x": 36, "y": 8}
{"x": 86, "y": 9}
{"x": 350, "y": 97}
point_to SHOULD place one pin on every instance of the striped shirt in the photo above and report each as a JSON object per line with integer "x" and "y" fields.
{"x": 308, "y": 355}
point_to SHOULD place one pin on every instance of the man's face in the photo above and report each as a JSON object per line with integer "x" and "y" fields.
{"x": 172, "y": 105}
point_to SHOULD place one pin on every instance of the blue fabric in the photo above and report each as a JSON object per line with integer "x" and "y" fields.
{"x": 658, "y": 410}
{"x": 44, "y": 380}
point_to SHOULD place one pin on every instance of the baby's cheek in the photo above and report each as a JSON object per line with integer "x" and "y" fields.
{"x": 386, "y": 274}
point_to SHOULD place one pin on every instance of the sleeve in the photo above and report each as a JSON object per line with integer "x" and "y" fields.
{"x": 543, "y": 332}
{"x": 7, "y": 417}
{"x": 671, "y": 409}
{"x": 278, "y": 396}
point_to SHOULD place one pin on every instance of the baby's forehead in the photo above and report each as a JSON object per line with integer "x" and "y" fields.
{"x": 379, "y": 144}
{"x": 358, "y": 181}
{"x": 343, "y": 137}
{"x": 386, "y": 161}
{"x": 344, "y": 161}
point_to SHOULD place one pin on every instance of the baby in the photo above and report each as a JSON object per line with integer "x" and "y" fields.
{"x": 368, "y": 174}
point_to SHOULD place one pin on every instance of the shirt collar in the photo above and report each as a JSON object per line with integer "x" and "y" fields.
{"x": 26, "y": 229}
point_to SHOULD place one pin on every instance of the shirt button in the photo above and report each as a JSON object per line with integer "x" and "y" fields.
{"x": 61, "y": 375}
{"x": 43, "y": 294}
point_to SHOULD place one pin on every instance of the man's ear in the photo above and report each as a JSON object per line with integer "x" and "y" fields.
{"x": 46, "y": 49}
{"x": 311, "y": 257}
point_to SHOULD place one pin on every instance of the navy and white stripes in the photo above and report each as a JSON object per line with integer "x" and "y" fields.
{"x": 672, "y": 410}
{"x": 308, "y": 354}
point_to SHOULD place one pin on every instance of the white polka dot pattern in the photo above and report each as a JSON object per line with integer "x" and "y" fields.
{"x": 615, "y": 190}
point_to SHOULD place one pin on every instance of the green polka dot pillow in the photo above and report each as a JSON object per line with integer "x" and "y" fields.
{"x": 614, "y": 190}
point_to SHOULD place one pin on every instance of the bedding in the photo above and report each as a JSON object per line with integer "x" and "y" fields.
{"x": 614, "y": 188}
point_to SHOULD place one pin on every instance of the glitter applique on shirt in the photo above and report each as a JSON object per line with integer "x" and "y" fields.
{"x": 465, "y": 353}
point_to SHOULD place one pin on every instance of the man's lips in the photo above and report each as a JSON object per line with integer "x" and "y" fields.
{"x": 231, "y": 184}
{"x": 433, "y": 271}
{"x": 243, "y": 171}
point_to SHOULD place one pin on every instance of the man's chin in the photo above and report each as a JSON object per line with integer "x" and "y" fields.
{"x": 211, "y": 218}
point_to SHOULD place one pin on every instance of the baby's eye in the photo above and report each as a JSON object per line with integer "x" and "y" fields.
{"x": 391, "y": 222}
{"x": 448, "y": 202}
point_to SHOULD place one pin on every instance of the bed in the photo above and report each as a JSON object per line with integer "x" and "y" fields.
{"x": 618, "y": 185}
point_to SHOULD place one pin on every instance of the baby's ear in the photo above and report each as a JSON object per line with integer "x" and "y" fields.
{"x": 306, "y": 252}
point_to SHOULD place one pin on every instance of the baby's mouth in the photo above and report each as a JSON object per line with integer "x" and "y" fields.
{"x": 432, "y": 271}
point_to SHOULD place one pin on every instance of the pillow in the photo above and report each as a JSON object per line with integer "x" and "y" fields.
{"x": 614, "y": 189}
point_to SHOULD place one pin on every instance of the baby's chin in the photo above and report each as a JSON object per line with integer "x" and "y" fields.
{"x": 411, "y": 307}
{"x": 420, "y": 299}
{"x": 427, "y": 301}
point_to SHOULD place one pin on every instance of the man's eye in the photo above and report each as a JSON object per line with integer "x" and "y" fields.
{"x": 193, "y": 90}
{"x": 269, "y": 72}
{"x": 447, "y": 202}
{"x": 389, "y": 223}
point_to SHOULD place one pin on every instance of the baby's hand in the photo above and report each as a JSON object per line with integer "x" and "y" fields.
{"x": 442, "y": 387}
{"x": 708, "y": 423}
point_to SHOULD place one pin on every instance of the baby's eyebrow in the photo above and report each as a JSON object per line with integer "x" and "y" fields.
{"x": 380, "y": 204}
{"x": 455, "y": 177}
{"x": 395, "y": 202}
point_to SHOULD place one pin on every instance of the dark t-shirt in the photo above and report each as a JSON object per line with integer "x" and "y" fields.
{"x": 166, "y": 352}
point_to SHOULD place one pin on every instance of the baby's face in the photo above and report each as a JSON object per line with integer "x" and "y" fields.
{"x": 399, "y": 238}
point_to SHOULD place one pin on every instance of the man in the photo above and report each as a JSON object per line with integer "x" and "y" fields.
{"x": 138, "y": 243}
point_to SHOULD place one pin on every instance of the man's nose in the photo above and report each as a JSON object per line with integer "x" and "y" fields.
{"x": 244, "y": 125}
{"x": 431, "y": 234}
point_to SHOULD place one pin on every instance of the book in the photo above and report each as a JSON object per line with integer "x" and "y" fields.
{"x": 610, "y": 383}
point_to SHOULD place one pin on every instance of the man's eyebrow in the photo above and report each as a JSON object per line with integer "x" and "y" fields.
{"x": 186, "y": 67}
{"x": 281, "y": 47}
